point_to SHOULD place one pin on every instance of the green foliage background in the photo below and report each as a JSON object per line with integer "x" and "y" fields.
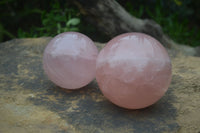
{"x": 179, "y": 19}
{"x": 20, "y": 19}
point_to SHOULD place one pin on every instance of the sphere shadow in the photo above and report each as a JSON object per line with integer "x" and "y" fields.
{"x": 85, "y": 110}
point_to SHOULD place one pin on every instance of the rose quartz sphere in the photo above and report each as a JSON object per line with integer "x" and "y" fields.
{"x": 133, "y": 70}
{"x": 69, "y": 60}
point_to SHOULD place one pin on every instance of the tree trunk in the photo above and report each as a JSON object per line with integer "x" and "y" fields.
{"x": 112, "y": 19}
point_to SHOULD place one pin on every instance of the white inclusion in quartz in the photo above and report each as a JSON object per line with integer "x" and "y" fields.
{"x": 127, "y": 61}
{"x": 64, "y": 45}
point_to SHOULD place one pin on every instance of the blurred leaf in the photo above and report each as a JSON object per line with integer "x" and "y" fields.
{"x": 178, "y": 2}
{"x": 74, "y": 29}
{"x": 5, "y": 1}
{"x": 73, "y": 21}
{"x": 58, "y": 28}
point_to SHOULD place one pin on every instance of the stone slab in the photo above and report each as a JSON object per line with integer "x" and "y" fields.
{"x": 30, "y": 103}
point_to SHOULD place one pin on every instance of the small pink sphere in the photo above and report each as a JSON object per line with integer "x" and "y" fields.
{"x": 133, "y": 70}
{"x": 69, "y": 60}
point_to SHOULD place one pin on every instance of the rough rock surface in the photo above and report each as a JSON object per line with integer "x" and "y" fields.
{"x": 29, "y": 102}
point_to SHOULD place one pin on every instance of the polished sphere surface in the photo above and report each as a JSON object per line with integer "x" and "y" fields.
{"x": 69, "y": 60}
{"x": 133, "y": 70}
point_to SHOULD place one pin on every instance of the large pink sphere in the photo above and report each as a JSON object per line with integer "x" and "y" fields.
{"x": 70, "y": 60}
{"x": 133, "y": 70}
